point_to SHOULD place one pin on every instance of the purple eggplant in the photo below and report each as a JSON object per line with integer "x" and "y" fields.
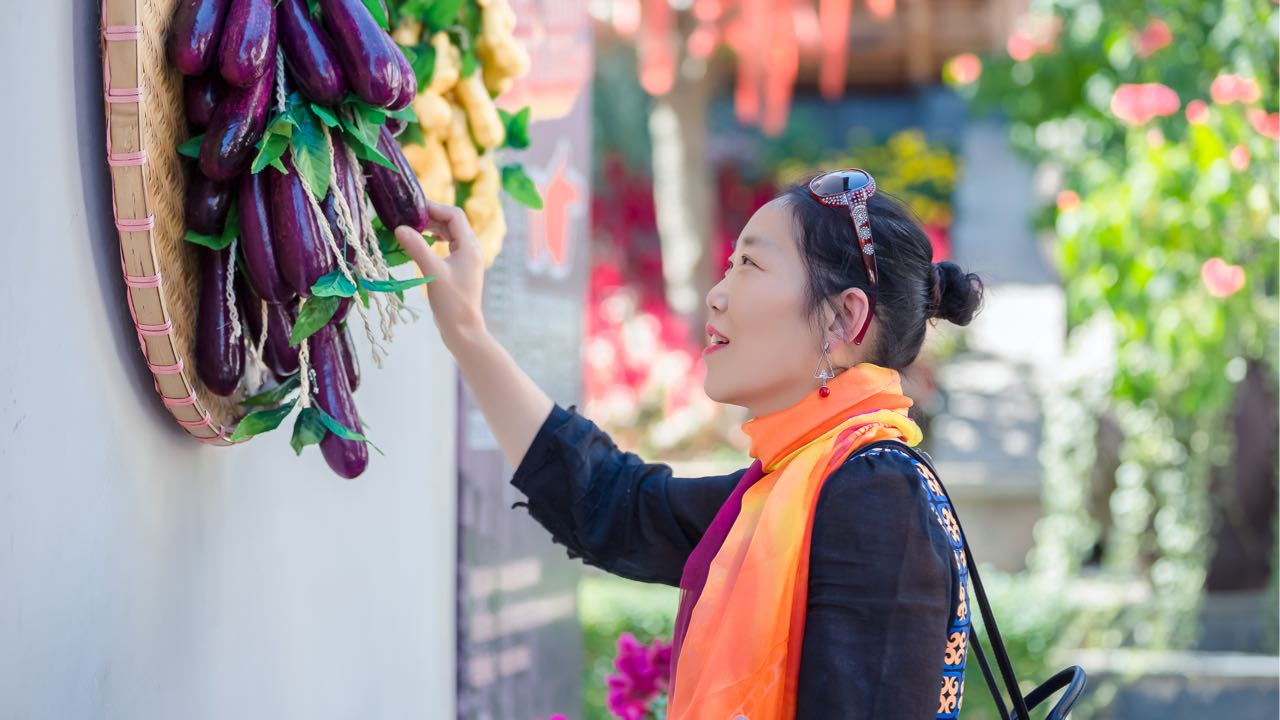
{"x": 397, "y": 197}
{"x": 200, "y": 97}
{"x": 396, "y": 126}
{"x": 313, "y": 63}
{"x": 236, "y": 128}
{"x": 195, "y": 34}
{"x": 301, "y": 250}
{"x": 281, "y": 358}
{"x": 257, "y": 239}
{"x": 346, "y": 174}
{"x": 250, "y": 309}
{"x": 408, "y": 81}
{"x": 347, "y": 458}
{"x": 371, "y": 67}
{"x": 207, "y": 204}
{"x": 219, "y": 357}
{"x": 248, "y": 42}
{"x": 349, "y": 360}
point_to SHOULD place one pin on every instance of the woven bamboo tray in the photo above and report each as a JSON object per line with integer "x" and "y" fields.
{"x": 145, "y": 124}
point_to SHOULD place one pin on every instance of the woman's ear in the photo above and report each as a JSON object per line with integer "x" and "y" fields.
{"x": 850, "y": 307}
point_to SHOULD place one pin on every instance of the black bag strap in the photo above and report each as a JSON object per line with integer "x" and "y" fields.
{"x": 1019, "y": 703}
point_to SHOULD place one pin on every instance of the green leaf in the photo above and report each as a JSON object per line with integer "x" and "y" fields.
{"x": 470, "y": 63}
{"x": 412, "y": 135}
{"x": 333, "y": 284}
{"x": 519, "y": 186}
{"x": 275, "y": 395}
{"x": 326, "y": 116}
{"x": 314, "y": 7}
{"x": 312, "y": 152}
{"x": 256, "y": 423}
{"x": 270, "y": 149}
{"x": 423, "y": 63}
{"x": 392, "y": 251}
{"x": 517, "y": 125}
{"x": 191, "y": 148}
{"x": 341, "y": 430}
{"x": 379, "y": 15}
{"x": 364, "y": 297}
{"x": 394, "y": 285}
{"x": 405, "y": 114}
{"x": 373, "y": 116}
{"x": 213, "y": 242}
{"x": 462, "y": 192}
{"x": 442, "y": 13}
{"x": 283, "y": 124}
{"x": 308, "y": 429}
{"x": 367, "y": 153}
{"x": 231, "y": 226}
{"x": 312, "y": 316}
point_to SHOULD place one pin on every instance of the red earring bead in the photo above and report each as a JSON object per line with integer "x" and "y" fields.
{"x": 824, "y": 391}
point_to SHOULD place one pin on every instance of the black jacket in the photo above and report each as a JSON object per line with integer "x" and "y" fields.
{"x": 886, "y": 603}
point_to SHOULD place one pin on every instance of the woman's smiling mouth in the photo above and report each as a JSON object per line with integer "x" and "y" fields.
{"x": 715, "y": 340}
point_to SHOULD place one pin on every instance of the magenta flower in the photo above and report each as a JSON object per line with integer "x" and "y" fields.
{"x": 642, "y": 674}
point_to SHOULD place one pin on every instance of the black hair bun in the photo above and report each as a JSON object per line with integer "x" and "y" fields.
{"x": 954, "y": 295}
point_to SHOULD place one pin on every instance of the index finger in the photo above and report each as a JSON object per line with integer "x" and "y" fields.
{"x": 453, "y": 221}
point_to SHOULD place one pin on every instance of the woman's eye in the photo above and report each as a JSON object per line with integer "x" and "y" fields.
{"x": 746, "y": 259}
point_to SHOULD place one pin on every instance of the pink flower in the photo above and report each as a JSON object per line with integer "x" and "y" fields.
{"x": 1227, "y": 89}
{"x": 1221, "y": 279}
{"x": 1197, "y": 112}
{"x": 1020, "y": 47}
{"x": 1239, "y": 157}
{"x": 1068, "y": 200}
{"x": 965, "y": 68}
{"x": 1268, "y": 124}
{"x": 1135, "y": 104}
{"x": 1154, "y": 37}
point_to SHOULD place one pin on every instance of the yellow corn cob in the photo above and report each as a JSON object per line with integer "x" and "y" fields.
{"x": 407, "y": 32}
{"x": 448, "y": 64}
{"x": 483, "y": 202}
{"x": 486, "y": 125}
{"x": 433, "y": 112}
{"x": 462, "y": 149}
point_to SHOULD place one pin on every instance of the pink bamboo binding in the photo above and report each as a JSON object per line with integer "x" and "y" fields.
{"x": 133, "y": 95}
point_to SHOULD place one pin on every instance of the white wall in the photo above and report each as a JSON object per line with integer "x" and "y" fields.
{"x": 143, "y": 575}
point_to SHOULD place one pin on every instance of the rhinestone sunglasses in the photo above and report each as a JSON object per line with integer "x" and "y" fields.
{"x": 852, "y": 188}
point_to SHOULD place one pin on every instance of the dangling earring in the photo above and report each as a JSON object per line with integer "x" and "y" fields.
{"x": 827, "y": 373}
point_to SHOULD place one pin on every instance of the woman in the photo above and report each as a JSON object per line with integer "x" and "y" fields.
{"x": 825, "y": 580}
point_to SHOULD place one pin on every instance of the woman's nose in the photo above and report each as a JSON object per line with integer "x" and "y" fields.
{"x": 716, "y": 298}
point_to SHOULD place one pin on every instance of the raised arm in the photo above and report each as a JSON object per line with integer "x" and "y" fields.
{"x": 512, "y": 404}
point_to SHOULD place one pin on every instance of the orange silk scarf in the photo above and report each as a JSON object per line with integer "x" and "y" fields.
{"x": 741, "y": 655}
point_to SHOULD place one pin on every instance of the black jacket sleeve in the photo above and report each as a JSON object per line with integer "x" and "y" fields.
{"x": 610, "y": 508}
{"x": 880, "y": 589}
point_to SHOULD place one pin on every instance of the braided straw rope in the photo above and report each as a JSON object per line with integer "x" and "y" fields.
{"x": 145, "y": 124}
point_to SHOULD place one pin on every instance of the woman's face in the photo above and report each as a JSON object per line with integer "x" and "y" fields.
{"x": 773, "y": 348}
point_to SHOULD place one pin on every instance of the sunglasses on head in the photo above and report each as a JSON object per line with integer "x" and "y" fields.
{"x": 852, "y": 188}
